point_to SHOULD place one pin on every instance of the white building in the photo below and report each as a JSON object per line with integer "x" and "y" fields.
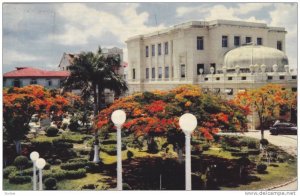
{"x": 24, "y": 76}
{"x": 207, "y": 53}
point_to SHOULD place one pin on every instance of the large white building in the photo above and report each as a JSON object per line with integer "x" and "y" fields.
{"x": 220, "y": 55}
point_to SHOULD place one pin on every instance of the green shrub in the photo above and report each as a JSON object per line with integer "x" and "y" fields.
{"x": 8, "y": 170}
{"x": 92, "y": 167}
{"x": 109, "y": 142}
{"x": 152, "y": 147}
{"x": 75, "y": 174}
{"x": 47, "y": 166}
{"x": 264, "y": 142}
{"x": 129, "y": 154}
{"x": 27, "y": 172}
{"x": 253, "y": 151}
{"x": 21, "y": 161}
{"x": 42, "y": 144}
{"x": 261, "y": 168}
{"x": 239, "y": 154}
{"x": 252, "y": 144}
{"x": 74, "y": 126}
{"x": 61, "y": 143}
{"x": 232, "y": 149}
{"x": 15, "y": 178}
{"x": 111, "y": 149}
{"x": 51, "y": 131}
{"x": 126, "y": 186}
{"x": 64, "y": 126}
{"x": 50, "y": 183}
{"x": 89, "y": 186}
{"x": 72, "y": 165}
{"x": 77, "y": 160}
{"x": 57, "y": 162}
{"x": 57, "y": 174}
{"x": 205, "y": 147}
{"x": 74, "y": 138}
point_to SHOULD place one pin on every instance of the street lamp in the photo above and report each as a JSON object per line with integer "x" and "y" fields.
{"x": 34, "y": 156}
{"x": 119, "y": 117}
{"x": 40, "y": 164}
{"x": 188, "y": 122}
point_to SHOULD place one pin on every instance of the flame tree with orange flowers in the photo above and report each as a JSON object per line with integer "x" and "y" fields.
{"x": 267, "y": 101}
{"x": 156, "y": 113}
{"x": 20, "y": 104}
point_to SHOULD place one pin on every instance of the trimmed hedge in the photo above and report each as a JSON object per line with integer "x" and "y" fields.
{"x": 15, "y": 178}
{"x": 8, "y": 170}
{"x": 66, "y": 174}
{"x": 92, "y": 167}
{"x": 105, "y": 142}
{"x": 72, "y": 165}
{"x": 111, "y": 149}
{"x": 75, "y": 174}
{"x": 51, "y": 131}
{"x": 50, "y": 183}
{"x": 239, "y": 154}
{"x": 261, "y": 168}
{"x": 20, "y": 161}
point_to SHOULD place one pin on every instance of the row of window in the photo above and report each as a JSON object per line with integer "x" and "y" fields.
{"x": 159, "y": 49}
{"x": 245, "y": 78}
{"x": 229, "y": 91}
{"x": 18, "y": 83}
{"x": 236, "y": 42}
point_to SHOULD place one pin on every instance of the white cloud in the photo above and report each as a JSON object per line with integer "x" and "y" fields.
{"x": 12, "y": 56}
{"x": 84, "y": 23}
{"x": 246, "y": 8}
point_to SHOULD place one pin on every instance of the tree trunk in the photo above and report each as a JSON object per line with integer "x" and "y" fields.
{"x": 18, "y": 146}
{"x": 262, "y": 133}
{"x": 180, "y": 155}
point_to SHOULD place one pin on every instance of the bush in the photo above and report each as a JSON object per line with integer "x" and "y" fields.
{"x": 57, "y": 174}
{"x": 74, "y": 126}
{"x": 57, "y": 162}
{"x": 74, "y": 138}
{"x": 264, "y": 142}
{"x": 89, "y": 186}
{"x": 77, "y": 160}
{"x": 109, "y": 142}
{"x": 64, "y": 126}
{"x": 75, "y": 174}
{"x": 92, "y": 167}
{"x": 126, "y": 186}
{"x": 47, "y": 166}
{"x": 152, "y": 147}
{"x": 51, "y": 131}
{"x": 261, "y": 168}
{"x": 21, "y": 161}
{"x": 50, "y": 183}
{"x": 41, "y": 144}
{"x": 232, "y": 149}
{"x": 252, "y": 144}
{"x": 253, "y": 151}
{"x": 61, "y": 143}
{"x": 205, "y": 147}
{"x": 111, "y": 149}
{"x": 8, "y": 170}
{"x": 16, "y": 179}
{"x": 72, "y": 165}
{"x": 129, "y": 154}
{"x": 240, "y": 154}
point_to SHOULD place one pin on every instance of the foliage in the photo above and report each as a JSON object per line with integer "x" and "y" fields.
{"x": 51, "y": 131}
{"x": 74, "y": 125}
{"x": 72, "y": 165}
{"x": 8, "y": 170}
{"x": 50, "y": 183}
{"x": 20, "y": 161}
{"x": 267, "y": 101}
{"x": 261, "y": 168}
{"x": 111, "y": 149}
{"x": 129, "y": 154}
{"x": 264, "y": 142}
{"x": 156, "y": 113}
{"x": 17, "y": 179}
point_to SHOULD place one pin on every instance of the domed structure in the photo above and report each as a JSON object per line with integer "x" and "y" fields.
{"x": 245, "y": 56}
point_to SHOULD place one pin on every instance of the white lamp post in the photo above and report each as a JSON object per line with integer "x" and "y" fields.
{"x": 34, "y": 156}
{"x": 118, "y": 117}
{"x": 188, "y": 122}
{"x": 40, "y": 164}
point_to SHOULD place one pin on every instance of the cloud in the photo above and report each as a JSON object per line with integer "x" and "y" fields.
{"x": 12, "y": 56}
{"x": 84, "y": 23}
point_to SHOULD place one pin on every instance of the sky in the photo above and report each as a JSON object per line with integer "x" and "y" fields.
{"x": 37, "y": 34}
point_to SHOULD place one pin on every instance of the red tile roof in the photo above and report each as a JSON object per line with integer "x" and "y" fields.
{"x": 22, "y": 72}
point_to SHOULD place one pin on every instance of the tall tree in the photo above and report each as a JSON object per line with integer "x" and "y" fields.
{"x": 267, "y": 101}
{"x": 92, "y": 73}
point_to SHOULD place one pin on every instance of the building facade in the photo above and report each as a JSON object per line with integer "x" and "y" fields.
{"x": 24, "y": 76}
{"x": 186, "y": 54}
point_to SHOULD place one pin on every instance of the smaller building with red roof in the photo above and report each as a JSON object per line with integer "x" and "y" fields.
{"x": 24, "y": 76}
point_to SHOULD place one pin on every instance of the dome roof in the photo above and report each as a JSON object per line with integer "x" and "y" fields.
{"x": 244, "y": 56}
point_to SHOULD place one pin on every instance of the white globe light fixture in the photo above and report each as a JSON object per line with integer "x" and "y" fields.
{"x": 34, "y": 156}
{"x": 188, "y": 123}
{"x": 40, "y": 164}
{"x": 118, "y": 117}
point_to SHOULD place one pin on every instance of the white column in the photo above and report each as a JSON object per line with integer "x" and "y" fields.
{"x": 34, "y": 176}
{"x": 40, "y": 180}
{"x": 188, "y": 173}
{"x": 119, "y": 159}
{"x": 96, "y": 154}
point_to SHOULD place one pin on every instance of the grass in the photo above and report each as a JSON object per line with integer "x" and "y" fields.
{"x": 275, "y": 176}
{"x": 218, "y": 152}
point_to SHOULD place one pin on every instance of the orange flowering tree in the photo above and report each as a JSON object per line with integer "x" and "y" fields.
{"x": 157, "y": 113}
{"x": 20, "y": 104}
{"x": 267, "y": 101}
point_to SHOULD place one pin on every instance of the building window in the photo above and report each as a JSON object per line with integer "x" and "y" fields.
{"x": 49, "y": 82}
{"x": 133, "y": 74}
{"x": 159, "y": 72}
{"x": 237, "y": 41}
{"x": 294, "y": 77}
{"x": 166, "y": 47}
{"x": 159, "y": 49}
{"x": 244, "y": 78}
{"x": 270, "y": 77}
{"x": 33, "y": 81}
{"x": 153, "y": 50}
{"x": 224, "y": 41}
{"x": 229, "y": 91}
{"x": 214, "y": 66}
{"x": 153, "y": 72}
{"x": 294, "y": 89}
{"x": 217, "y": 78}
{"x": 279, "y": 45}
{"x": 205, "y": 79}
{"x": 229, "y": 78}
{"x": 200, "y": 43}
{"x": 182, "y": 71}
{"x": 167, "y": 72}
{"x": 147, "y": 73}
{"x": 259, "y": 41}
{"x": 281, "y": 77}
{"x": 200, "y": 69}
{"x": 147, "y": 51}
{"x": 17, "y": 83}
{"x": 248, "y": 40}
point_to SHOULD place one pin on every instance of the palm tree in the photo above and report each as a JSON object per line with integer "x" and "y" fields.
{"x": 92, "y": 73}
